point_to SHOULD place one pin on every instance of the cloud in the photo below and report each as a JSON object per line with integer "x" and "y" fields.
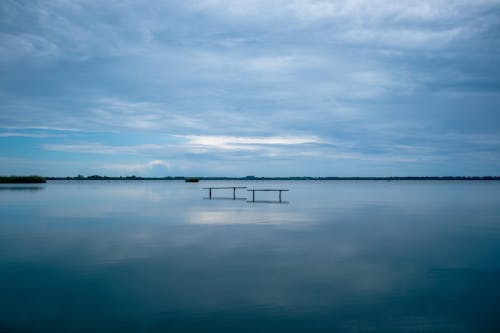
{"x": 26, "y": 135}
{"x": 191, "y": 144}
{"x": 359, "y": 10}
{"x": 99, "y": 148}
{"x": 408, "y": 38}
{"x": 119, "y": 113}
{"x": 406, "y": 24}
{"x": 16, "y": 47}
{"x": 136, "y": 167}
{"x": 269, "y": 67}
{"x": 247, "y": 143}
{"x": 43, "y": 128}
{"x": 308, "y": 84}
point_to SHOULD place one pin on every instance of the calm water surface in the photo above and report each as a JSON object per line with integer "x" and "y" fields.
{"x": 366, "y": 256}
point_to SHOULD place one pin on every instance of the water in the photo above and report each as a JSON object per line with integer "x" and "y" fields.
{"x": 364, "y": 256}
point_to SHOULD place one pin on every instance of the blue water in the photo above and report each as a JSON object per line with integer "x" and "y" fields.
{"x": 153, "y": 256}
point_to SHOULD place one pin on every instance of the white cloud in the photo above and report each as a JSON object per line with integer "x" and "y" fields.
{"x": 98, "y": 148}
{"x": 247, "y": 143}
{"x": 136, "y": 167}
{"x": 191, "y": 144}
{"x": 26, "y": 135}
{"x": 44, "y": 128}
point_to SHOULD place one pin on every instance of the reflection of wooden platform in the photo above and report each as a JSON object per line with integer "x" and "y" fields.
{"x": 221, "y": 188}
{"x": 267, "y": 190}
{"x": 224, "y": 198}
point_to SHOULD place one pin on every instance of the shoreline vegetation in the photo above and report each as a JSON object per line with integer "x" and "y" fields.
{"x": 39, "y": 179}
{"x": 98, "y": 177}
{"x": 22, "y": 180}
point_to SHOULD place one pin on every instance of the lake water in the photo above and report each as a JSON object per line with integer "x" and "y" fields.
{"x": 155, "y": 256}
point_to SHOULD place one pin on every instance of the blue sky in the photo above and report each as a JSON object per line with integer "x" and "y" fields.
{"x": 262, "y": 87}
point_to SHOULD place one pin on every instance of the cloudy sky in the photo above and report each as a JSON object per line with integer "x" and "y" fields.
{"x": 250, "y": 87}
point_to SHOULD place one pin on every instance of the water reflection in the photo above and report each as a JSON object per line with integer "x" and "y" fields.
{"x": 223, "y": 198}
{"x": 21, "y": 188}
{"x": 155, "y": 257}
{"x": 269, "y": 201}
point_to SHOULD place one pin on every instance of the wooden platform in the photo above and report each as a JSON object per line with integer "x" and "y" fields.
{"x": 223, "y": 188}
{"x": 267, "y": 190}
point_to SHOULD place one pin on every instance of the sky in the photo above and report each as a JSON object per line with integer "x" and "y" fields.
{"x": 250, "y": 87}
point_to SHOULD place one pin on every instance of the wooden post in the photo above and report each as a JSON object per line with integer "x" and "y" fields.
{"x": 253, "y": 195}
{"x": 210, "y": 193}
{"x": 280, "y": 195}
{"x": 234, "y": 193}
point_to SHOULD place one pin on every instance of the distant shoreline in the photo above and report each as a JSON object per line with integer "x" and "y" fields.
{"x": 471, "y": 178}
{"x": 40, "y": 179}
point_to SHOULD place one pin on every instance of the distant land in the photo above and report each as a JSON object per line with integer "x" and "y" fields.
{"x": 98, "y": 177}
{"x": 40, "y": 179}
